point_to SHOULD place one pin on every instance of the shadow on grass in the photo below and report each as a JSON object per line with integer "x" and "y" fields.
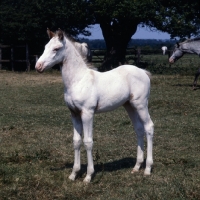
{"x": 110, "y": 166}
{"x": 100, "y": 167}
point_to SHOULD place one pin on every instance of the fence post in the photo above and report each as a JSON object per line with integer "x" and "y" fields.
{"x": 138, "y": 56}
{"x": 12, "y": 57}
{"x": 27, "y": 59}
{"x": 0, "y": 57}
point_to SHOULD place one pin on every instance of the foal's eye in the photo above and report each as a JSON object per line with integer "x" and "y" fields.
{"x": 56, "y": 49}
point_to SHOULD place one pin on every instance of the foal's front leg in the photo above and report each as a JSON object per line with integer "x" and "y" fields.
{"x": 87, "y": 120}
{"x": 78, "y": 127}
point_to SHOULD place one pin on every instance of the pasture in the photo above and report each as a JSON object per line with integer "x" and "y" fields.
{"x": 36, "y": 151}
{"x": 154, "y": 61}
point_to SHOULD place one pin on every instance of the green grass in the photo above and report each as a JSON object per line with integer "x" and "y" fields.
{"x": 36, "y": 152}
{"x": 159, "y": 64}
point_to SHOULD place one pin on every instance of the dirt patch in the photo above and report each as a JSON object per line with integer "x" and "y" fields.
{"x": 16, "y": 79}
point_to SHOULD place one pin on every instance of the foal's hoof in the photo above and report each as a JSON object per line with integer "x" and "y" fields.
{"x": 147, "y": 172}
{"x": 134, "y": 171}
{"x": 87, "y": 179}
{"x": 72, "y": 177}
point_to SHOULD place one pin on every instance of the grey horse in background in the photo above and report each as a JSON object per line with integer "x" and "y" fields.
{"x": 191, "y": 46}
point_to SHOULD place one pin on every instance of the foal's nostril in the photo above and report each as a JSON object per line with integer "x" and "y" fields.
{"x": 38, "y": 67}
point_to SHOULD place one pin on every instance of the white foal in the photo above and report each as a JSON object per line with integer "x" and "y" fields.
{"x": 88, "y": 92}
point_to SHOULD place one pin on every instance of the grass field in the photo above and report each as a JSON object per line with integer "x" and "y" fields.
{"x": 159, "y": 64}
{"x": 36, "y": 152}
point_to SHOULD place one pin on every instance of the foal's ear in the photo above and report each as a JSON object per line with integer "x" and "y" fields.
{"x": 60, "y": 34}
{"x": 50, "y": 33}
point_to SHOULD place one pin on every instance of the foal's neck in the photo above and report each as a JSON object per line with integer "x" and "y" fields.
{"x": 73, "y": 67}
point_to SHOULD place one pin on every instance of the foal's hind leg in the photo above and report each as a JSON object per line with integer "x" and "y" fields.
{"x": 142, "y": 124}
{"x": 139, "y": 129}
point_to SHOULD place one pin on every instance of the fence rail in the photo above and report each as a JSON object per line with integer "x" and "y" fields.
{"x": 152, "y": 60}
{"x": 12, "y": 59}
{"x": 131, "y": 54}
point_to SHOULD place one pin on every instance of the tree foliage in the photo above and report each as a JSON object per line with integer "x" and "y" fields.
{"x": 26, "y": 21}
{"x": 119, "y": 20}
{"x": 179, "y": 19}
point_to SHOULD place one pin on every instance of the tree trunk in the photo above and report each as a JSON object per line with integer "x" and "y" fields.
{"x": 117, "y": 36}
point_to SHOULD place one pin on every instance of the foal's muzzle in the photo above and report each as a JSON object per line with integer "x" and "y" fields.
{"x": 39, "y": 67}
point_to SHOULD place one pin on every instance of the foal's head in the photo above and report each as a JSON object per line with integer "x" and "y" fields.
{"x": 53, "y": 53}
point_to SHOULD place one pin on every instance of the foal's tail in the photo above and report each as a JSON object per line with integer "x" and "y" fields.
{"x": 148, "y": 73}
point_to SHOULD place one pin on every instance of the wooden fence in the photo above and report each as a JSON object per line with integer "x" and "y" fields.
{"x": 98, "y": 55}
{"x": 12, "y": 59}
{"x": 152, "y": 60}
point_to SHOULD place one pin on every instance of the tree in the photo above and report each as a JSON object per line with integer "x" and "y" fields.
{"x": 119, "y": 20}
{"x": 27, "y": 21}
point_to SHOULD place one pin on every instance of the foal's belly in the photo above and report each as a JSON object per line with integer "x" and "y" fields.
{"x": 112, "y": 95}
{"x": 105, "y": 107}
{"x": 110, "y": 102}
